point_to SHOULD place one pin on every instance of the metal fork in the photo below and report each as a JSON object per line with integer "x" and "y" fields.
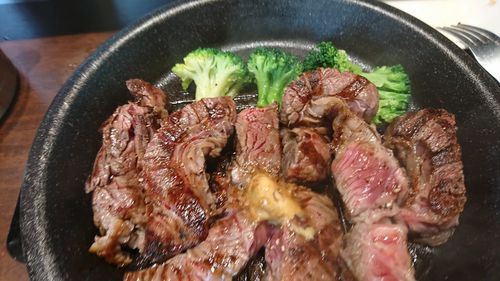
{"x": 484, "y": 45}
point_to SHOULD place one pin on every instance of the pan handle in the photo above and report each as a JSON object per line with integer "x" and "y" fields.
{"x": 14, "y": 245}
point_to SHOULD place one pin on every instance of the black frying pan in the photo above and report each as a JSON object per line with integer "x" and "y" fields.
{"x": 56, "y": 216}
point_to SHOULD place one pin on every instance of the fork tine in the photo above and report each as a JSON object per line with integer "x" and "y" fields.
{"x": 469, "y": 35}
{"x": 472, "y": 32}
{"x": 459, "y": 35}
{"x": 488, "y": 34}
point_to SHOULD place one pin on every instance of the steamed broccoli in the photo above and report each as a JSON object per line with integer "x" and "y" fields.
{"x": 215, "y": 72}
{"x": 326, "y": 55}
{"x": 392, "y": 82}
{"x": 273, "y": 70}
{"x": 393, "y": 87}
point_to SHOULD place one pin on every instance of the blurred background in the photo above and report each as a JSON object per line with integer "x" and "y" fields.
{"x": 23, "y": 19}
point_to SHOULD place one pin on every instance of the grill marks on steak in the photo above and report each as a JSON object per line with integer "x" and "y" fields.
{"x": 258, "y": 146}
{"x": 308, "y": 100}
{"x": 230, "y": 244}
{"x": 117, "y": 197}
{"x": 376, "y": 251}
{"x": 425, "y": 142}
{"x": 158, "y": 200}
{"x": 178, "y": 200}
{"x": 290, "y": 256}
{"x": 306, "y": 155}
{"x": 366, "y": 174}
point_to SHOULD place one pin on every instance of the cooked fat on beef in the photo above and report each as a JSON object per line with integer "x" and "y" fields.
{"x": 307, "y": 101}
{"x": 366, "y": 174}
{"x": 178, "y": 200}
{"x": 376, "y": 251}
{"x": 258, "y": 146}
{"x": 293, "y": 256}
{"x": 117, "y": 198}
{"x": 306, "y": 155}
{"x": 230, "y": 244}
{"x": 426, "y": 143}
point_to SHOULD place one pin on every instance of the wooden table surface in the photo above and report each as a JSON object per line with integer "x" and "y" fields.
{"x": 43, "y": 64}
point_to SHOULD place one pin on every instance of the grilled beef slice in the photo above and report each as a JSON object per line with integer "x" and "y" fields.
{"x": 117, "y": 197}
{"x": 258, "y": 146}
{"x": 426, "y": 144}
{"x": 230, "y": 244}
{"x": 307, "y": 100}
{"x": 366, "y": 174}
{"x": 376, "y": 251}
{"x": 178, "y": 200}
{"x": 306, "y": 155}
{"x": 290, "y": 256}
{"x": 258, "y": 149}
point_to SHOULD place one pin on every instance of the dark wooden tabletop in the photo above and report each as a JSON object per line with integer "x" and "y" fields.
{"x": 43, "y": 64}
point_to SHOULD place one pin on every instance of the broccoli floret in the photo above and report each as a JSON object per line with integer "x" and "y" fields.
{"x": 326, "y": 55}
{"x": 390, "y": 106}
{"x": 215, "y": 72}
{"x": 392, "y": 82}
{"x": 392, "y": 78}
{"x": 273, "y": 70}
{"x": 393, "y": 87}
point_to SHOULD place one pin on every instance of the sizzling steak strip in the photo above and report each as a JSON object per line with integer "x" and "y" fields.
{"x": 366, "y": 174}
{"x": 376, "y": 251}
{"x": 230, "y": 244}
{"x": 258, "y": 149}
{"x": 290, "y": 256}
{"x": 308, "y": 101}
{"x": 426, "y": 143}
{"x": 306, "y": 155}
{"x": 117, "y": 197}
{"x": 258, "y": 146}
{"x": 178, "y": 200}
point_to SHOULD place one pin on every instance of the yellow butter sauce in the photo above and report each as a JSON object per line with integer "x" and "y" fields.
{"x": 269, "y": 200}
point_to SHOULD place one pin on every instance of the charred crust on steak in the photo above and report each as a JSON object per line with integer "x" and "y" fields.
{"x": 118, "y": 198}
{"x": 306, "y": 101}
{"x": 425, "y": 142}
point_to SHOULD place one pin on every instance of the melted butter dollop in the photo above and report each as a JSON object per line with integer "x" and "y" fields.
{"x": 269, "y": 200}
{"x": 307, "y": 232}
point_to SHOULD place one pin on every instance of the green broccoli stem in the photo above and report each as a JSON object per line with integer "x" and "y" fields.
{"x": 203, "y": 85}
{"x": 276, "y": 92}
{"x": 208, "y": 88}
{"x": 272, "y": 92}
{"x": 263, "y": 80}
{"x": 279, "y": 86}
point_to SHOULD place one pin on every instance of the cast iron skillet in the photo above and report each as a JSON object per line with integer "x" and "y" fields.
{"x": 56, "y": 216}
